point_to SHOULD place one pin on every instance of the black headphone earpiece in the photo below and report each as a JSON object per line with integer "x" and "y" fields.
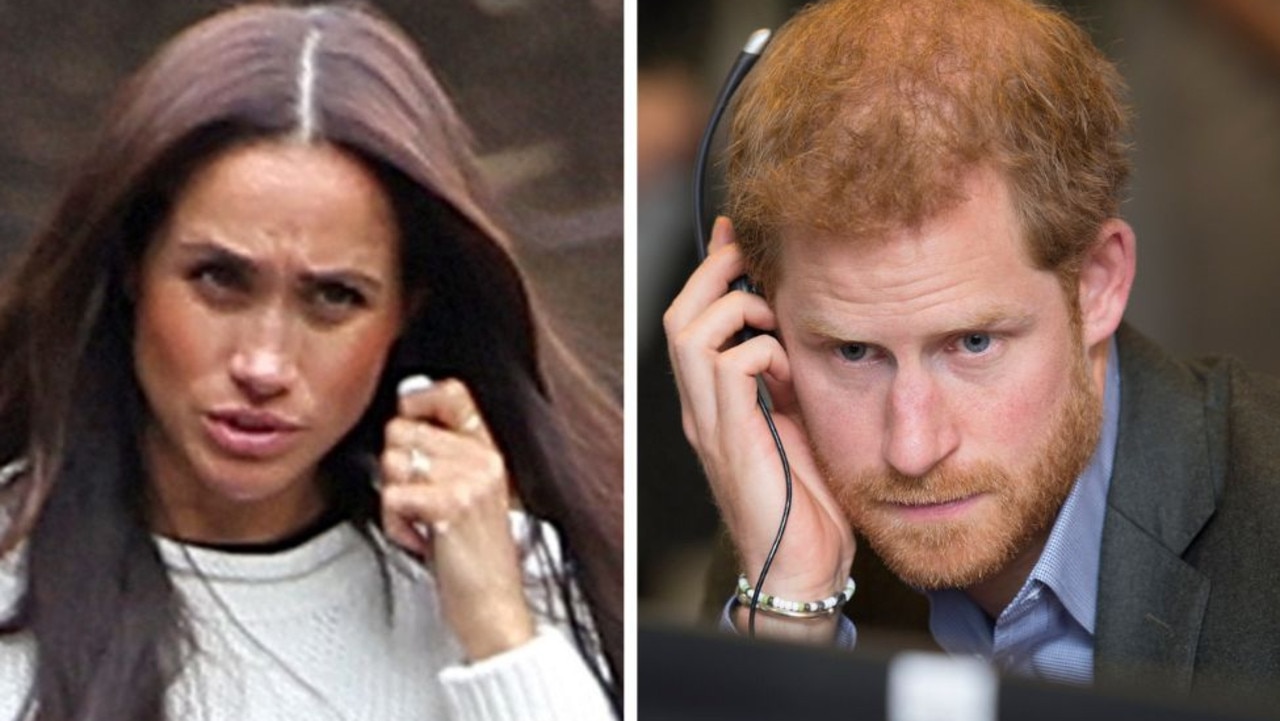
{"x": 746, "y": 59}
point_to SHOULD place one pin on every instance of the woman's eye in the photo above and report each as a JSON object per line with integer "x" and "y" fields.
{"x": 853, "y": 352}
{"x": 976, "y": 342}
{"x": 216, "y": 277}
{"x": 337, "y": 295}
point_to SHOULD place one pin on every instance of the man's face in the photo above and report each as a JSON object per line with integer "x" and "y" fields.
{"x": 943, "y": 385}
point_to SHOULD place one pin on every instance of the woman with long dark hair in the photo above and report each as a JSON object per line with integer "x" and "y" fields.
{"x": 284, "y": 433}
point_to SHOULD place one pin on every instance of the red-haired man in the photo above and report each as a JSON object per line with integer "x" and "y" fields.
{"x": 928, "y": 193}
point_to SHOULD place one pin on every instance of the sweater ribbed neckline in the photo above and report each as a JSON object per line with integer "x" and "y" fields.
{"x": 325, "y": 549}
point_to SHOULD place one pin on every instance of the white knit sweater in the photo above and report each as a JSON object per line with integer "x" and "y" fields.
{"x": 305, "y": 634}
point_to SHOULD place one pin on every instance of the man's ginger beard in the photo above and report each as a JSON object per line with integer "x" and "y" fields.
{"x": 958, "y": 553}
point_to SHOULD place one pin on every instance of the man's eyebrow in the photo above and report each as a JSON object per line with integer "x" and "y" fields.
{"x": 818, "y": 326}
{"x": 996, "y": 318}
{"x": 999, "y": 318}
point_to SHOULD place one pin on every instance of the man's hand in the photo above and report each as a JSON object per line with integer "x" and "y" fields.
{"x": 717, "y": 384}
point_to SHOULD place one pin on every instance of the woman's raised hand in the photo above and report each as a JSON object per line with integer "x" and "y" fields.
{"x": 445, "y": 497}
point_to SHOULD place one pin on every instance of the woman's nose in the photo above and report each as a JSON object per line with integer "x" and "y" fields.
{"x": 264, "y": 363}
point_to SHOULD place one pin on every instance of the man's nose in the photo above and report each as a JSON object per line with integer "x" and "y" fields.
{"x": 920, "y": 432}
{"x": 264, "y": 363}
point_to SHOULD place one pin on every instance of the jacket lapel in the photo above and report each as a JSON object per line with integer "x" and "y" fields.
{"x": 1163, "y": 487}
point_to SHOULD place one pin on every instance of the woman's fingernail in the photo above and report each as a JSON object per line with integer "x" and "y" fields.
{"x": 413, "y": 384}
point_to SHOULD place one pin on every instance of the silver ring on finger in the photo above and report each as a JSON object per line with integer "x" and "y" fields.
{"x": 419, "y": 465}
{"x": 471, "y": 424}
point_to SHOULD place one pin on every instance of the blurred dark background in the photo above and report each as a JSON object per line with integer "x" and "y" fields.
{"x": 1204, "y": 77}
{"x": 539, "y": 82}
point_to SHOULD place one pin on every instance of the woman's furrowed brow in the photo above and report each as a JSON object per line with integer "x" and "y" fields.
{"x": 218, "y": 252}
{"x": 347, "y": 276}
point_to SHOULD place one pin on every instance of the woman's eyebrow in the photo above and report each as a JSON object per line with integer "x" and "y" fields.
{"x": 216, "y": 251}
{"x": 246, "y": 263}
{"x": 349, "y": 276}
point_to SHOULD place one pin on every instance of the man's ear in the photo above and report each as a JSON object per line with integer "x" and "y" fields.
{"x": 1106, "y": 276}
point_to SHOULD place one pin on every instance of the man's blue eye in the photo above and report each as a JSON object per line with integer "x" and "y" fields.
{"x": 853, "y": 351}
{"x": 976, "y": 342}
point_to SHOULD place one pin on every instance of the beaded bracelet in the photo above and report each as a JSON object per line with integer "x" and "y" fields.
{"x": 795, "y": 609}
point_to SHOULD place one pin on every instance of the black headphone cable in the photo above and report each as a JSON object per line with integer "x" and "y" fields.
{"x": 747, "y": 58}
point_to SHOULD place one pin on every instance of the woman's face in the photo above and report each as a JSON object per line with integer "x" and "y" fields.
{"x": 266, "y": 305}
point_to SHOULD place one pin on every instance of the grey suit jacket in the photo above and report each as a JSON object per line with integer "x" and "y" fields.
{"x": 1189, "y": 586}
